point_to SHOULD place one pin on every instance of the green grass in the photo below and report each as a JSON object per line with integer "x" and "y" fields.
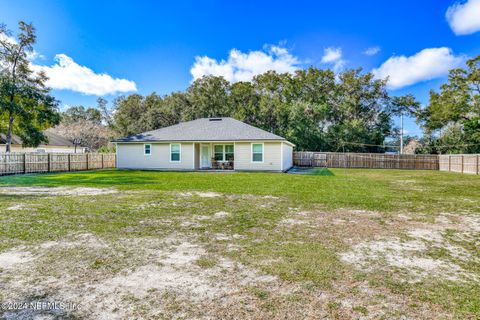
{"x": 381, "y": 190}
{"x": 148, "y": 206}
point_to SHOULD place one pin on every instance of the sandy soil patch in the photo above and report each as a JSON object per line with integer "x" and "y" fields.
{"x": 16, "y": 207}
{"x": 13, "y": 258}
{"x": 55, "y": 191}
{"x": 159, "y": 267}
{"x": 81, "y": 240}
{"x": 292, "y": 222}
{"x": 199, "y": 194}
{"x": 16, "y": 257}
{"x": 405, "y": 255}
{"x": 221, "y": 214}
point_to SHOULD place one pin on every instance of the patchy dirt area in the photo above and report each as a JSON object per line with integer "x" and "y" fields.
{"x": 210, "y": 255}
{"x": 199, "y": 194}
{"x": 55, "y": 191}
{"x": 167, "y": 270}
{"x": 411, "y": 252}
{"x": 14, "y": 257}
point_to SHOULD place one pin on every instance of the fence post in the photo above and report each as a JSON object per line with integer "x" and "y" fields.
{"x": 462, "y": 163}
{"x": 68, "y": 159}
{"x": 87, "y": 159}
{"x": 24, "y": 163}
{"x": 102, "y": 160}
{"x": 478, "y": 164}
{"x": 48, "y": 162}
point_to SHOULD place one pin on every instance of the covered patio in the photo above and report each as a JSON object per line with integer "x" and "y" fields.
{"x": 215, "y": 155}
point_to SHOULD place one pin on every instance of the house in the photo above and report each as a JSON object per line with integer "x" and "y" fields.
{"x": 207, "y": 143}
{"x": 55, "y": 143}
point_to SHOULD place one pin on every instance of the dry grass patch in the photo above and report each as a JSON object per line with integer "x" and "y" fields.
{"x": 55, "y": 191}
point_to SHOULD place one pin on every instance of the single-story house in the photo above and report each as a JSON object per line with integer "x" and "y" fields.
{"x": 55, "y": 143}
{"x": 207, "y": 143}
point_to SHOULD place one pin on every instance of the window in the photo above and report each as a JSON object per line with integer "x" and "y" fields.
{"x": 175, "y": 152}
{"x": 257, "y": 152}
{"x": 218, "y": 152}
{"x": 229, "y": 154}
{"x": 147, "y": 149}
{"x": 223, "y": 152}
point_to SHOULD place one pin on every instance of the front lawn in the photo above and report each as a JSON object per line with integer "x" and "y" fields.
{"x": 144, "y": 244}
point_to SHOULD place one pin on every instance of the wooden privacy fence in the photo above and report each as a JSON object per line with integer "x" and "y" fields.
{"x": 464, "y": 163}
{"x": 34, "y": 162}
{"x": 366, "y": 160}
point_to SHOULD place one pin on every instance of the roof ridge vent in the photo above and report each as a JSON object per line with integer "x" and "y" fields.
{"x": 214, "y": 119}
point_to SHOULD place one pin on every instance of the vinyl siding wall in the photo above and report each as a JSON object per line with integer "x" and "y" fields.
{"x": 131, "y": 156}
{"x": 287, "y": 154}
{"x": 272, "y": 158}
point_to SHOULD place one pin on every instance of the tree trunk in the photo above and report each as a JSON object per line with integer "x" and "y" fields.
{"x": 9, "y": 133}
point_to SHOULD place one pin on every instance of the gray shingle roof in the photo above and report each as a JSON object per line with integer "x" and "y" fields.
{"x": 205, "y": 129}
{"x": 53, "y": 139}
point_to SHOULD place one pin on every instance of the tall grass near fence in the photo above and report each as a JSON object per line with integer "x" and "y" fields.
{"x": 34, "y": 162}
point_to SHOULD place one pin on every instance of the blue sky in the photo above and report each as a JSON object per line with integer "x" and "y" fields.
{"x": 154, "y": 46}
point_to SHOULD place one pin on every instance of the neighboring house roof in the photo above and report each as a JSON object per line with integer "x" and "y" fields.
{"x": 53, "y": 140}
{"x": 205, "y": 129}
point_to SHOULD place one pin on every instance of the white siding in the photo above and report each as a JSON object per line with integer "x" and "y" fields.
{"x": 272, "y": 158}
{"x": 287, "y": 154}
{"x": 131, "y": 156}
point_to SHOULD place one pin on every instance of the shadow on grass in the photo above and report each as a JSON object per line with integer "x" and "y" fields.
{"x": 321, "y": 172}
{"x": 311, "y": 171}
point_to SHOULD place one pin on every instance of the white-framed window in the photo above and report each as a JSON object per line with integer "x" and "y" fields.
{"x": 257, "y": 152}
{"x": 223, "y": 152}
{"x": 147, "y": 149}
{"x": 218, "y": 152}
{"x": 175, "y": 152}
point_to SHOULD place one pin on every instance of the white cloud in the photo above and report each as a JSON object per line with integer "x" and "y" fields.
{"x": 464, "y": 18}
{"x": 372, "y": 51}
{"x": 425, "y": 65}
{"x": 66, "y": 74}
{"x": 333, "y": 56}
{"x": 242, "y": 66}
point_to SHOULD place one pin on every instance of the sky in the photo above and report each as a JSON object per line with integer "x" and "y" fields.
{"x": 92, "y": 49}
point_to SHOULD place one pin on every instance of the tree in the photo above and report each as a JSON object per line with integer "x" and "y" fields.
{"x": 244, "y": 103}
{"x": 358, "y": 118}
{"x": 90, "y": 134}
{"x": 105, "y": 113}
{"x": 136, "y": 113}
{"x": 25, "y": 103}
{"x": 316, "y": 109}
{"x": 128, "y": 111}
{"x": 454, "y": 112}
{"x": 208, "y": 97}
{"x": 307, "y": 125}
{"x": 272, "y": 88}
{"x": 78, "y": 113}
